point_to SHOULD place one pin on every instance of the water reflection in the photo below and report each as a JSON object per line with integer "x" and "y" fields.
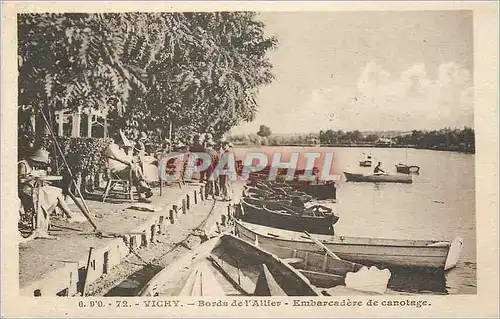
{"x": 418, "y": 281}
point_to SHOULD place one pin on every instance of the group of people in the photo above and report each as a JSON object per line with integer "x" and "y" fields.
{"x": 125, "y": 160}
{"x": 30, "y": 172}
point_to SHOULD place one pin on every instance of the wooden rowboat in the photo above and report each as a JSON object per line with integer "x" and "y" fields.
{"x": 279, "y": 216}
{"x": 367, "y": 163}
{"x": 368, "y": 251}
{"x": 228, "y": 266}
{"x": 319, "y": 191}
{"x": 407, "y": 169}
{"x": 378, "y": 178}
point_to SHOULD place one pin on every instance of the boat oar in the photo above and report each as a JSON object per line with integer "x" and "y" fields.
{"x": 365, "y": 279}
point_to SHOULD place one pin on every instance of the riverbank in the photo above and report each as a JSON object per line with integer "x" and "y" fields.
{"x": 71, "y": 264}
{"x": 444, "y": 149}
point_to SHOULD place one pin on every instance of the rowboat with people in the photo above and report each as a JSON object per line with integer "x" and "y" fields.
{"x": 428, "y": 254}
{"x": 378, "y": 178}
{"x": 229, "y": 266}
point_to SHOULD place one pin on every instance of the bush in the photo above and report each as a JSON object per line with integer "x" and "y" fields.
{"x": 85, "y": 155}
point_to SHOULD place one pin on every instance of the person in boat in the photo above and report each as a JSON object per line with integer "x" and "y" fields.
{"x": 50, "y": 196}
{"x": 123, "y": 165}
{"x": 378, "y": 170}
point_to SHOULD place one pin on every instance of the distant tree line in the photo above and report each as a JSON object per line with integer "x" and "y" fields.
{"x": 459, "y": 140}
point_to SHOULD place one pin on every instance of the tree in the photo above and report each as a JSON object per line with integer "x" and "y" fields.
{"x": 201, "y": 71}
{"x": 264, "y": 131}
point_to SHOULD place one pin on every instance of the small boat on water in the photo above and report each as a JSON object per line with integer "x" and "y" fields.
{"x": 274, "y": 214}
{"x": 229, "y": 266}
{"x": 407, "y": 169}
{"x": 378, "y": 178}
{"x": 429, "y": 254}
{"x": 365, "y": 163}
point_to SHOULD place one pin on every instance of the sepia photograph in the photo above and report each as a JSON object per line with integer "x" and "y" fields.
{"x": 217, "y": 154}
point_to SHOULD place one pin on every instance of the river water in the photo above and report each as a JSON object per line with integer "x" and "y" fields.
{"x": 439, "y": 204}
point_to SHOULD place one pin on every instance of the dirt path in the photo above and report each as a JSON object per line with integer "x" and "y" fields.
{"x": 138, "y": 268}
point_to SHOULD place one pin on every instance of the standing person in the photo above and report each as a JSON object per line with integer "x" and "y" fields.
{"x": 213, "y": 187}
{"x": 378, "y": 170}
{"x": 50, "y": 197}
{"x": 225, "y": 180}
{"x": 140, "y": 144}
{"x": 198, "y": 147}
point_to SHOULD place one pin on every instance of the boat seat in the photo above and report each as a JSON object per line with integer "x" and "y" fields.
{"x": 293, "y": 261}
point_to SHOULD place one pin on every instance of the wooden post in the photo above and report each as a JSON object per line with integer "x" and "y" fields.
{"x": 144, "y": 240}
{"x": 89, "y": 123}
{"x": 202, "y": 193}
{"x": 133, "y": 242}
{"x": 188, "y": 203}
{"x": 195, "y": 197}
{"x": 153, "y": 233}
{"x": 172, "y": 216}
{"x": 160, "y": 225}
{"x": 60, "y": 122}
{"x": 105, "y": 125}
{"x": 184, "y": 206}
{"x": 75, "y": 127}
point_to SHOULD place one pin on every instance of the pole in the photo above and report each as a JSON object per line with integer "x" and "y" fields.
{"x": 170, "y": 135}
{"x": 86, "y": 213}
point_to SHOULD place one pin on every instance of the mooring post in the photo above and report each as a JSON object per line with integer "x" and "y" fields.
{"x": 184, "y": 206}
{"x": 195, "y": 197}
{"x": 153, "y": 233}
{"x": 188, "y": 202}
{"x": 133, "y": 242}
{"x": 202, "y": 193}
{"x": 172, "y": 216}
{"x": 160, "y": 224}
{"x": 144, "y": 239}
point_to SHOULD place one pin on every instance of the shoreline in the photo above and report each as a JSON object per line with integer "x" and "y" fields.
{"x": 440, "y": 149}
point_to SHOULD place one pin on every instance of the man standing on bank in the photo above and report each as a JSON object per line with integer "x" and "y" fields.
{"x": 224, "y": 179}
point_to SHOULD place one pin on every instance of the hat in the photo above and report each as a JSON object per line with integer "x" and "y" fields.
{"x": 231, "y": 144}
{"x": 143, "y": 136}
{"x": 40, "y": 155}
{"x": 210, "y": 143}
{"x": 208, "y": 136}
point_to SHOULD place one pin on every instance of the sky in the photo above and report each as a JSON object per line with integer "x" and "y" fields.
{"x": 367, "y": 71}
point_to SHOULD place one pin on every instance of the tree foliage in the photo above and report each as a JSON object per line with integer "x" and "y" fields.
{"x": 264, "y": 131}
{"x": 200, "y": 71}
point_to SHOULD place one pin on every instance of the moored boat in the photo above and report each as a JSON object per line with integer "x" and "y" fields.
{"x": 434, "y": 254}
{"x": 365, "y": 163}
{"x": 229, "y": 266}
{"x": 378, "y": 178}
{"x": 407, "y": 169}
{"x": 275, "y": 214}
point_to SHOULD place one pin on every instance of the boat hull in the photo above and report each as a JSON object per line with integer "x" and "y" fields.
{"x": 262, "y": 216}
{"x": 378, "y": 178}
{"x": 318, "y": 191}
{"x": 229, "y": 261}
{"x": 368, "y": 251}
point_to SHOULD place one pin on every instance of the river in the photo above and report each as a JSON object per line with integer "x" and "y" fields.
{"x": 439, "y": 204}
